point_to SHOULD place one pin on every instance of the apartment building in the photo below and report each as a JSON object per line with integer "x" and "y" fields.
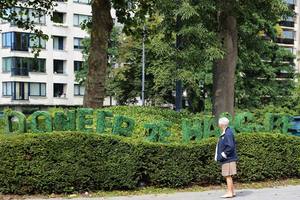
{"x": 48, "y": 80}
{"x": 290, "y": 37}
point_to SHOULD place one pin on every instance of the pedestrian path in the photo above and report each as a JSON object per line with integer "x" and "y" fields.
{"x": 279, "y": 193}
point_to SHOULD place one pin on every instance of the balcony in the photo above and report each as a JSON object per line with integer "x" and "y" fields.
{"x": 285, "y": 41}
{"x": 19, "y": 72}
{"x": 287, "y": 24}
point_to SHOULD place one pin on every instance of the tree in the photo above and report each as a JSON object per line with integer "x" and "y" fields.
{"x": 210, "y": 31}
{"x": 264, "y": 75}
{"x": 232, "y": 15}
{"x": 101, "y": 27}
{"x": 225, "y": 20}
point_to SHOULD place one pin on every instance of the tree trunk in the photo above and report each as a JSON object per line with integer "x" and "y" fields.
{"x": 102, "y": 25}
{"x": 224, "y": 69}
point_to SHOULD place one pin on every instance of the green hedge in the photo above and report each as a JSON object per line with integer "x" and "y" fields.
{"x": 68, "y": 162}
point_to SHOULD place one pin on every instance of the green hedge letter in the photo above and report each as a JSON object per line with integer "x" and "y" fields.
{"x": 242, "y": 122}
{"x": 37, "y": 126}
{"x": 210, "y": 127}
{"x": 64, "y": 121}
{"x": 277, "y": 122}
{"x": 123, "y": 126}
{"x": 191, "y": 130}
{"x": 85, "y": 118}
{"x": 157, "y": 132}
{"x": 9, "y": 115}
{"x": 102, "y": 123}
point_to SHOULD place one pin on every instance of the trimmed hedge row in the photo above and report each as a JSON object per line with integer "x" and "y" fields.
{"x": 68, "y": 162}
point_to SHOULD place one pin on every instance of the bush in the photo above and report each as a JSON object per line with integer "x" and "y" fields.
{"x": 68, "y": 162}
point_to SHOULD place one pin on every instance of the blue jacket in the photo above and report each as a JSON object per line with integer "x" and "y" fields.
{"x": 226, "y": 148}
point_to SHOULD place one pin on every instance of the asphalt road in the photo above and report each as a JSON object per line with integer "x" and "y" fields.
{"x": 279, "y": 193}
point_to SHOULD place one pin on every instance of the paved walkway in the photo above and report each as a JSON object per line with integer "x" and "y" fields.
{"x": 280, "y": 193}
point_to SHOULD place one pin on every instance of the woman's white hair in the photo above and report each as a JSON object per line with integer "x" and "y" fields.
{"x": 223, "y": 121}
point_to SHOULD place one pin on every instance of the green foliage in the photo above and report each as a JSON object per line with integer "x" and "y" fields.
{"x": 210, "y": 127}
{"x": 243, "y": 122}
{"x": 276, "y": 122}
{"x": 157, "y": 132}
{"x": 69, "y": 162}
{"x": 123, "y": 126}
{"x": 38, "y": 126}
{"x": 102, "y": 122}
{"x": 66, "y": 162}
{"x": 191, "y": 130}
{"x": 64, "y": 121}
{"x": 21, "y": 121}
{"x": 84, "y": 119}
{"x": 149, "y": 115}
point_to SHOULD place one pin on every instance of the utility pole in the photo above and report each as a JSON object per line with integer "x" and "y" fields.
{"x": 178, "y": 98}
{"x": 143, "y": 66}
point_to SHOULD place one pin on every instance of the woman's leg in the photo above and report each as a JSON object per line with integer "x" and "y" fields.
{"x": 230, "y": 186}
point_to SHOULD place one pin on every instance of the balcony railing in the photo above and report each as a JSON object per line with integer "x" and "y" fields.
{"x": 285, "y": 40}
{"x": 19, "y": 72}
{"x": 287, "y": 23}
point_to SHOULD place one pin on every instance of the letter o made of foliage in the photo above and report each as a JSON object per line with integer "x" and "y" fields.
{"x": 36, "y": 124}
{"x": 9, "y": 115}
{"x": 120, "y": 129}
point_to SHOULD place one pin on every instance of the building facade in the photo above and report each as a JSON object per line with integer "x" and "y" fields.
{"x": 48, "y": 80}
{"x": 290, "y": 36}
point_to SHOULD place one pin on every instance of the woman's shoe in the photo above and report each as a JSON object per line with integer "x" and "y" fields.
{"x": 227, "y": 196}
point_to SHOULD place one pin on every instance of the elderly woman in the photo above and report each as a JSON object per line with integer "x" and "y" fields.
{"x": 226, "y": 155}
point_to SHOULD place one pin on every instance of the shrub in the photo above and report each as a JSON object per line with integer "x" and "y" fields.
{"x": 68, "y": 162}
{"x": 65, "y": 162}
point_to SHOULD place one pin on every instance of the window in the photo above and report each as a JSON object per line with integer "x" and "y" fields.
{"x": 21, "y": 66}
{"x": 6, "y": 15}
{"x": 78, "y": 19}
{"x": 15, "y": 40}
{"x": 58, "y": 17}
{"x": 20, "y": 91}
{"x": 292, "y": 2}
{"x": 77, "y": 66}
{"x": 36, "y": 16}
{"x": 37, "y": 89}
{"x": 79, "y": 90}
{"x": 59, "y": 90}
{"x": 7, "y": 40}
{"x": 78, "y": 43}
{"x": 82, "y": 1}
{"x": 20, "y": 41}
{"x": 290, "y": 49}
{"x": 37, "y": 42}
{"x": 58, "y": 42}
{"x": 7, "y": 88}
{"x": 288, "y": 34}
{"x": 58, "y": 66}
{"x": 7, "y": 64}
{"x": 37, "y": 65}
{"x": 25, "y": 14}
